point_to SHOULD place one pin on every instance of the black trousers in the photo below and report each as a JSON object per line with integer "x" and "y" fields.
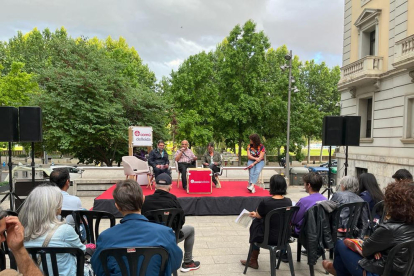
{"x": 215, "y": 169}
{"x": 158, "y": 171}
{"x": 182, "y": 167}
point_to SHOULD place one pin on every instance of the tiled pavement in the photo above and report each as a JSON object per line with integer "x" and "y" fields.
{"x": 220, "y": 243}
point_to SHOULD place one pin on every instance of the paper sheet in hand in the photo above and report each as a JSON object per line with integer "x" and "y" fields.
{"x": 244, "y": 219}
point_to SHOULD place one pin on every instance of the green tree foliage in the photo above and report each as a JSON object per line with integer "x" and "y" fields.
{"x": 17, "y": 86}
{"x": 91, "y": 91}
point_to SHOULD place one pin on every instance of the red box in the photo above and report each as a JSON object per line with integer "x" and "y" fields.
{"x": 199, "y": 181}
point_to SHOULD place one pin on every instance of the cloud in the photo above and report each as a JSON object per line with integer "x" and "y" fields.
{"x": 166, "y": 32}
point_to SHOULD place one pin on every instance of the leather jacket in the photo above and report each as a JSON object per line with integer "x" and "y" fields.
{"x": 315, "y": 234}
{"x": 385, "y": 237}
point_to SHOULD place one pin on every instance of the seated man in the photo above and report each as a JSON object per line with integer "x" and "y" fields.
{"x": 185, "y": 158}
{"x": 313, "y": 183}
{"x": 61, "y": 177}
{"x": 158, "y": 159}
{"x": 212, "y": 160}
{"x": 135, "y": 230}
{"x": 162, "y": 199}
{"x": 15, "y": 237}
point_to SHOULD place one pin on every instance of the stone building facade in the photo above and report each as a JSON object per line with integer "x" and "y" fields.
{"x": 377, "y": 83}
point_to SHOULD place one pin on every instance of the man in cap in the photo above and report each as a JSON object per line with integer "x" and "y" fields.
{"x": 162, "y": 199}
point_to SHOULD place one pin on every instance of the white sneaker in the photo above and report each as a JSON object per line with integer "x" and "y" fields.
{"x": 253, "y": 190}
{"x": 250, "y": 188}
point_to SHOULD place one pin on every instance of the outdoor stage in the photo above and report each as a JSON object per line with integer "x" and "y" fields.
{"x": 231, "y": 199}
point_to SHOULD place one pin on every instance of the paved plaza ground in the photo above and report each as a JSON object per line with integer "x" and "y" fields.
{"x": 220, "y": 243}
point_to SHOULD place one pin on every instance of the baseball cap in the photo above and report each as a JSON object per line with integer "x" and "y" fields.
{"x": 163, "y": 179}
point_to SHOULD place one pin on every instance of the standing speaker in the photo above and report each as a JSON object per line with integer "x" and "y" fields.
{"x": 8, "y": 124}
{"x": 352, "y": 129}
{"x": 332, "y": 131}
{"x": 30, "y": 124}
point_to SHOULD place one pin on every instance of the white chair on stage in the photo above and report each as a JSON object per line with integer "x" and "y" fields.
{"x": 134, "y": 166}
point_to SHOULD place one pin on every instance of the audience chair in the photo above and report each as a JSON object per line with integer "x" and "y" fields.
{"x": 134, "y": 166}
{"x": 316, "y": 239}
{"x": 377, "y": 211}
{"x": 134, "y": 256}
{"x": 178, "y": 172}
{"x": 278, "y": 217}
{"x": 405, "y": 249}
{"x": 171, "y": 217}
{"x": 2, "y": 260}
{"x": 49, "y": 253}
{"x": 355, "y": 210}
{"x": 92, "y": 232}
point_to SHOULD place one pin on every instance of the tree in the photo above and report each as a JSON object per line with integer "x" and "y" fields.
{"x": 241, "y": 69}
{"x": 319, "y": 86}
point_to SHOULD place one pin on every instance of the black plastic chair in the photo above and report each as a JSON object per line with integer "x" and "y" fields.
{"x": 171, "y": 217}
{"x": 299, "y": 244}
{"x": 355, "y": 211}
{"x": 377, "y": 211}
{"x": 133, "y": 256}
{"x": 2, "y": 260}
{"x": 284, "y": 216}
{"x": 92, "y": 230}
{"x": 406, "y": 249}
{"x": 51, "y": 252}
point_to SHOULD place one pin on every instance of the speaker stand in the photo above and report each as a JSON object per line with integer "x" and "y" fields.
{"x": 33, "y": 166}
{"x": 329, "y": 189}
{"x": 346, "y": 161}
{"x": 11, "y": 193}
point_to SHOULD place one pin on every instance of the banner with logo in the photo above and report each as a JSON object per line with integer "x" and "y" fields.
{"x": 142, "y": 136}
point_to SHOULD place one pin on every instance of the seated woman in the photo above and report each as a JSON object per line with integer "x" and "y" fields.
{"x": 39, "y": 219}
{"x": 398, "y": 229}
{"x": 348, "y": 188}
{"x": 369, "y": 190}
{"x": 278, "y": 189}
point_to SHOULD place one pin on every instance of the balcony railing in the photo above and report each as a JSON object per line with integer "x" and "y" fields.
{"x": 404, "y": 56}
{"x": 361, "y": 70}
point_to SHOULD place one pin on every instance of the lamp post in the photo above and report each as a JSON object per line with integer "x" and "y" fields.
{"x": 288, "y": 58}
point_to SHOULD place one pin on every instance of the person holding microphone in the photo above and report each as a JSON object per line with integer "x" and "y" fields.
{"x": 185, "y": 159}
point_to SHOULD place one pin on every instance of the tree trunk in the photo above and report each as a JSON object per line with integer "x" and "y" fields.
{"x": 309, "y": 141}
{"x": 240, "y": 151}
{"x": 320, "y": 156}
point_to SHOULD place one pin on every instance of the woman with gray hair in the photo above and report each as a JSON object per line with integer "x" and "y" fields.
{"x": 43, "y": 229}
{"x": 348, "y": 189}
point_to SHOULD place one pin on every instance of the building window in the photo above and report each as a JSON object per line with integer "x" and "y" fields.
{"x": 365, "y": 111}
{"x": 372, "y": 43}
{"x": 409, "y": 127}
{"x": 360, "y": 171}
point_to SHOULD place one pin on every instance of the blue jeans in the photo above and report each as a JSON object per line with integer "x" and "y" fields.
{"x": 254, "y": 172}
{"x": 346, "y": 261}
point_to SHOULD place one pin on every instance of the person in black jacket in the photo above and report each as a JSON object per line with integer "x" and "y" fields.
{"x": 399, "y": 228}
{"x": 158, "y": 159}
{"x": 163, "y": 199}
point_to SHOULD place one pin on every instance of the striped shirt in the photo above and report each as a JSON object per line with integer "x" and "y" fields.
{"x": 187, "y": 156}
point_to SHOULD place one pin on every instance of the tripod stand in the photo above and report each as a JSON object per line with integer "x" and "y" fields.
{"x": 11, "y": 193}
{"x": 330, "y": 180}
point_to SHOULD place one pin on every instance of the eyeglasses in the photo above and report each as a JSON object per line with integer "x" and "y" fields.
{"x": 184, "y": 144}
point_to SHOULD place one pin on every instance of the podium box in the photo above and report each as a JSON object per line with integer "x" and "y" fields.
{"x": 199, "y": 181}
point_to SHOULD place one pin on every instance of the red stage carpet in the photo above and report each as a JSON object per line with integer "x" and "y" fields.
{"x": 231, "y": 199}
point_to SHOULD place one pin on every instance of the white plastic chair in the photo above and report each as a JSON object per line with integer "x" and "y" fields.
{"x": 178, "y": 178}
{"x": 134, "y": 166}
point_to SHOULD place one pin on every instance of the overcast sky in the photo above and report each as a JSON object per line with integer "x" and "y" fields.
{"x": 166, "y": 32}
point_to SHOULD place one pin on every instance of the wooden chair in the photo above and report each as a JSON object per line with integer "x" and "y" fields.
{"x": 134, "y": 166}
{"x": 283, "y": 217}
{"x": 178, "y": 172}
{"x": 133, "y": 257}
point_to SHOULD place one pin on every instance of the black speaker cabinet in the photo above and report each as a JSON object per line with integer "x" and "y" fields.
{"x": 332, "y": 131}
{"x": 30, "y": 124}
{"x": 8, "y": 124}
{"x": 352, "y": 129}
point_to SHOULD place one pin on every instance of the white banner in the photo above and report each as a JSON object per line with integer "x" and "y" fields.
{"x": 142, "y": 136}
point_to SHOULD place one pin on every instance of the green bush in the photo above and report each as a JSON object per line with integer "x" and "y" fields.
{"x": 4, "y": 183}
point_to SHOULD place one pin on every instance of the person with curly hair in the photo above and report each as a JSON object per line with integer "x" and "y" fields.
{"x": 255, "y": 163}
{"x": 349, "y": 260}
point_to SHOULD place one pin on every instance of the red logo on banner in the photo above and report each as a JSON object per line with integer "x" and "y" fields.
{"x": 137, "y": 133}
